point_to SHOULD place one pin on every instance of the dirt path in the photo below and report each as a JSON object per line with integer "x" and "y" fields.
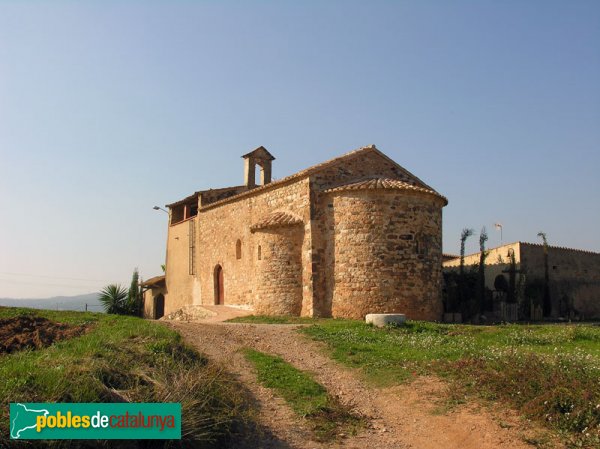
{"x": 405, "y": 416}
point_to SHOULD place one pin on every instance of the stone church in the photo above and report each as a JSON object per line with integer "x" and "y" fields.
{"x": 354, "y": 235}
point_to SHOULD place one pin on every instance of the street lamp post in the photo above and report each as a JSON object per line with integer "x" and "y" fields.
{"x": 166, "y": 212}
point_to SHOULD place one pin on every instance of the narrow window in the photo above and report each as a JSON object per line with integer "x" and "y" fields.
{"x": 238, "y": 249}
{"x": 259, "y": 252}
{"x": 257, "y": 172}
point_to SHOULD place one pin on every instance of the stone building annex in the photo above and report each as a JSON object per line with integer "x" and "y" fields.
{"x": 354, "y": 235}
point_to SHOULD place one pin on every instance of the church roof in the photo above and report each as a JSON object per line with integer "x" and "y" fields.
{"x": 369, "y": 149}
{"x": 194, "y": 196}
{"x": 260, "y": 153}
{"x": 385, "y": 183}
{"x": 276, "y": 219}
{"x": 309, "y": 171}
{"x": 157, "y": 280}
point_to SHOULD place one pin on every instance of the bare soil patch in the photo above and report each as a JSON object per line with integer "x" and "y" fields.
{"x": 406, "y": 416}
{"x": 35, "y": 332}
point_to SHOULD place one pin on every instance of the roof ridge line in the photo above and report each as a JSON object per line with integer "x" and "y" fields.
{"x": 302, "y": 173}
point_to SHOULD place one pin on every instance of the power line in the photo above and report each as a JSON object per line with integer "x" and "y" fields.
{"x": 51, "y": 277}
{"x": 47, "y": 285}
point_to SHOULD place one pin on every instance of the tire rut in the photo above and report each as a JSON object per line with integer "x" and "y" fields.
{"x": 400, "y": 417}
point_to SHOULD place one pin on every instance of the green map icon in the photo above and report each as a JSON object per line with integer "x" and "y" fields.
{"x": 23, "y": 420}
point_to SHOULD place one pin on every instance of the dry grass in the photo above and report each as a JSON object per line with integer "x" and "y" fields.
{"x": 123, "y": 359}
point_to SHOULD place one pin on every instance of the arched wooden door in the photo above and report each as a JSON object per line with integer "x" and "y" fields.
{"x": 159, "y": 306}
{"x": 219, "y": 287}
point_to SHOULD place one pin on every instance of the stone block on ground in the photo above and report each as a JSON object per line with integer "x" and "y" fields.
{"x": 383, "y": 319}
{"x": 190, "y": 313}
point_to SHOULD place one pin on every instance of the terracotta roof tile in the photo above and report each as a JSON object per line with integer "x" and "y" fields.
{"x": 188, "y": 199}
{"x": 154, "y": 281}
{"x": 276, "y": 219}
{"x": 194, "y": 196}
{"x": 384, "y": 183}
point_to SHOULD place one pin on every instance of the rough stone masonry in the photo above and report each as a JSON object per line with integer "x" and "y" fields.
{"x": 354, "y": 235}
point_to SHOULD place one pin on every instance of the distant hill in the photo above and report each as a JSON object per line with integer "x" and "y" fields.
{"x": 57, "y": 302}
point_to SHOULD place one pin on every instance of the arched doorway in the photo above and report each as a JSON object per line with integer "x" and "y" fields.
{"x": 159, "y": 306}
{"x": 219, "y": 287}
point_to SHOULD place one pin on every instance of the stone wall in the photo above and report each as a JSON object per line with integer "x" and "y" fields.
{"x": 219, "y": 229}
{"x": 375, "y": 264}
{"x": 354, "y": 252}
{"x": 279, "y": 271}
{"x": 574, "y": 276}
{"x": 499, "y": 255}
{"x": 497, "y": 262}
{"x": 361, "y": 166}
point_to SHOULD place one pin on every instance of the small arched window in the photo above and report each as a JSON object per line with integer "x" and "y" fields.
{"x": 238, "y": 249}
{"x": 259, "y": 252}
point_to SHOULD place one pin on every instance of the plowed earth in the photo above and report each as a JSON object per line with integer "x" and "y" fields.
{"x": 34, "y": 332}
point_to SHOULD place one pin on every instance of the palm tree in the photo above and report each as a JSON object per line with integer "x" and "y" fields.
{"x": 512, "y": 278}
{"x": 547, "y": 304}
{"x": 114, "y": 297}
{"x": 481, "y": 273}
{"x": 464, "y": 235}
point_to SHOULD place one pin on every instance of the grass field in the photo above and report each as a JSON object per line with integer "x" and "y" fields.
{"x": 122, "y": 358}
{"x": 550, "y": 373}
{"x": 305, "y": 396}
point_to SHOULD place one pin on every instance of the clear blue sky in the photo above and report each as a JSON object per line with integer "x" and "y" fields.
{"x": 108, "y": 108}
